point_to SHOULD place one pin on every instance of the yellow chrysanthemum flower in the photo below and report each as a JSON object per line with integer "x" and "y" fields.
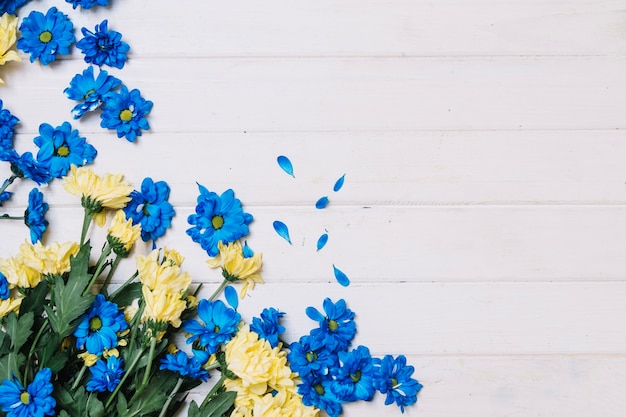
{"x": 18, "y": 273}
{"x": 156, "y": 274}
{"x": 237, "y": 267}
{"x": 52, "y": 259}
{"x": 97, "y": 193}
{"x": 9, "y": 305}
{"x": 163, "y": 306}
{"x": 8, "y": 25}
{"x": 122, "y": 235}
{"x": 172, "y": 256}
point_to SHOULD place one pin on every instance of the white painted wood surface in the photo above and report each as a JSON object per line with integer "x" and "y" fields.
{"x": 482, "y": 221}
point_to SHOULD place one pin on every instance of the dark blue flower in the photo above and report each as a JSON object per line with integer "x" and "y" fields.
{"x": 217, "y": 218}
{"x": 267, "y": 327}
{"x": 353, "y": 379}
{"x": 61, "y": 147}
{"x": 25, "y": 166}
{"x": 187, "y": 366}
{"x": 337, "y": 326}
{"x": 90, "y": 91}
{"x": 103, "y": 46}
{"x": 394, "y": 379}
{"x": 11, "y": 6}
{"x": 99, "y": 326}
{"x": 4, "y": 287}
{"x": 219, "y": 325}
{"x": 5, "y": 196}
{"x": 45, "y": 37}
{"x": 305, "y": 359}
{"x": 7, "y": 127}
{"x": 88, "y": 4}
{"x": 150, "y": 208}
{"x": 316, "y": 392}
{"x": 34, "y": 217}
{"x": 34, "y": 401}
{"x": 126, "y": 112}
{"x": 105, "y": 375}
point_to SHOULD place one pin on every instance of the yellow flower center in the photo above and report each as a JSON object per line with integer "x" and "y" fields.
{"x": 126, "y": 115}
{"x": 217, "y": 222}
{"x": 319, "y": 389}
{"x": 394, "y": 382}
{"x": 356, "y": 377}
{"x": 332, "y": 325}
{"x": 25, "y": 398}
{"x": 88, "y": 93}
{"x": 95, "y": 324}
{"x": 45, "y": 36}
{"x": 63, "y": 150}
{"x": 311, "y": 356}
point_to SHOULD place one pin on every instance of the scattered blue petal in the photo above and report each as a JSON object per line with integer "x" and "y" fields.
{"x": 231, "y": 296}
{"x": 342, "y": 279}
{"x": 285, "y": 164}
{"x": 339, "y": 183}
{"x": 282, "y": 230}
{"x": 321, "y": 242}
{"x": 321, "y": 203}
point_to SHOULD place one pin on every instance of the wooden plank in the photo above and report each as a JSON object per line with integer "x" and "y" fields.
{"x": 342, "y": 94}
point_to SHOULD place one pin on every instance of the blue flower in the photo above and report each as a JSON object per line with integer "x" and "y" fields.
{"x": 220, "y": 324}
{"x": 150, "y": 208}
{"x": 61, "y": 147}
{"x": 306, "y": 360}
{"x": 103, "y": 46}
{"x": 267, "y": 327}
{"x": 217, "y": 218}
{"x": 99, "y": 326}
{"x": 337, "y": 327}
{"x": 45, "y": 37}
{"x": 105, "y": 375}
{"x": 11, "y": 6}
{"x": 5, "y": 196}
{"x": 36, "y": 400}
{"x": 34, "y": 217}
{"x": 25, "y": 166}
{"x": 354, "y": 378}
{"x": 90, "y": 91}
{"x": 5, "y": 291}
{"x": 394, "y": 379}
{"x": 187, "y": 366}
{"x": 88, "y": 4}
{"x": 126, "y": 112}
{"x": 316, "y": 392}
{"x": 7, "y": 125}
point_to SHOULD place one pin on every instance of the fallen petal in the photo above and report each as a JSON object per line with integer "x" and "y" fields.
{"x": 339, "y": 183}
{"x": 282, "y": 230}
{"x": 321, "y": 203}
{"x": 342, "y": 278}
{"x": 231, "y": 296}
{"x": 321, "y": 242}
{"x": 285, "y": 164}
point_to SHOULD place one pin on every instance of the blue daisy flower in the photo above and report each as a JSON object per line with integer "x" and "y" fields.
{"x": 90, "y": 91}
{"x": 61, "y": 147}
{"x": 88, "y": 4}
{"x": 5, "y": 291}
{"x": 316, "y": 392}
{"x": 337, "y": 326}
{"x": 11, "y": 6}
{"x": 35, "y": 400}
{"x": 307, "y": 360}
{"x": 99, "y": 326}
{"x": 126, "y": 112}
{"x": 7, "y": 127}
{"x": 104, "y": 46}
{"x": 219, "y": 325}
{"x": 218, "y": 218}
{"x": 354, "y": 378}
{"x": 150, "y": 208}
{"x": 45, "y": 37}
{"x": 34, "y": 217}
{"x": 105, "y": 375}
{"x": 394, "y": 379}
{"x": 267, "y": 327}
{"x": 185, "y": 366}
{"x": 25, "y": 166}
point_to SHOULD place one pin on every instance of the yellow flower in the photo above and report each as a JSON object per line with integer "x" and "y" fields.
{"x": 122, "y": 235}
{"x": 18, "y": 273}
{"x": 173, "y": 257}
{"x": 97, "y": 193}
{"x": 9, "y": 305}
{"x": 88, "y": 358}
{"x": 48, "y": 260}
{"x": 156, "y": 274}
{"x": 230, "y": 258}
{"x": 163, "y": 306}
{"x": 8, "y": 25}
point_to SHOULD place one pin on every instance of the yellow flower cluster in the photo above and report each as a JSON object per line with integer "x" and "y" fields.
{"x": 122, "y": 234}
{"x": 265, "y": 386}
{"x": 237, "y": 267}
{"x": 8, "y": 25}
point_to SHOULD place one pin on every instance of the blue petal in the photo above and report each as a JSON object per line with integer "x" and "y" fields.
{"x": 314, "y": 314}
{"x": 282, "y": 230}
{"x": 342, "y": 279}
{"x": 321, "y": 242}
{"x": 285, "y": 164}
{"x": 231, "y": 296}
{"x": 339, "y": 183}
{"x": 322, "y": 202}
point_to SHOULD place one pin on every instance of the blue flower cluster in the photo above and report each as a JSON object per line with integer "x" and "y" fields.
{"x": 34, "y": 400}
{"x": 11, "y": 6}
{"x": 219, "y": 323}
{"x": 104, "y": 46}
{"x": 191, "y": 367}
{"x": 99, "y": 328}
{"x": 46, "y": 36}
{"x": 268, "y": 326}
{"x": 333, "y": 373}
{"x": 150, "y": 208}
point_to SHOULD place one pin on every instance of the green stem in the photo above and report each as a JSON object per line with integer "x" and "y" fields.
{"x": 43, "y": 327}
{"x": 7, "y": 217}
{"x": 8, "y": 182}
{"x": 128, "y": 372}
{"x": 219, "y": 290}
{"x": 116, "y": 261}
{"x": 146, "y": 375}
{"x": 216, "y": 387}
{"x": 86, "y": 222}
{"x": 79, "y": 377}
{"x": 171, "y": 397}
{"x": 131, "y": 279}
{"x": 99, "y": 267}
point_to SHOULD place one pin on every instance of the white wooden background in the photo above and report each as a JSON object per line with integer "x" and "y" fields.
{"x": 483, "y": 217}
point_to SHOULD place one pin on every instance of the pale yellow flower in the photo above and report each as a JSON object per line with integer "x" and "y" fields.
{"x": 9, "y": 305}
{"x": 8, "y": 25}
{"x": 230, "y": 258}
{"x": 52, "y": 259}
{"x": 18, "y": 273}
{"x": 89, "y": 359}
{"x": 172, "y": 256}
{"x": 156, "y": 274}
{"x": 122, "y": 235}
{"x": 163, "y": 306}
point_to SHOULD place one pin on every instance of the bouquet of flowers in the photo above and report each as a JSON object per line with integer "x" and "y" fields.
{"x": 77, "y": 339}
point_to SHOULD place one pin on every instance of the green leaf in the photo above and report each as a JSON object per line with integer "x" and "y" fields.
{"x": 10, "y": 365}
{"x": 95, "y": 408}
{"x": 35, "y": 300}
{"x": 218, "y": 405}
{"x": 19, "y": 329}
{"x": 74, "y": 403}
{"x": 126, "y": 296}
{"x": 122, "y": 404}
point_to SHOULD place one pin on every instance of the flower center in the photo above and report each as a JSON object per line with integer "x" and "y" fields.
{"x": 216, "y": 329}
{"x": 311, "y": 356}
{"x": 126, "y": 115}
{"x": 95, "y": 324}
{"x": 356, "y": 377}
{"x": 63, "y": 150}
{"x": 332, "y": 325}
{"x": 25, "y": 398}
{"x": 217, "y": 222}
{"x": 88, "y": 93}
{"x": 394, "y": 382}
{"x": 319, "y": 389}
{"x": 45, "y": 36}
